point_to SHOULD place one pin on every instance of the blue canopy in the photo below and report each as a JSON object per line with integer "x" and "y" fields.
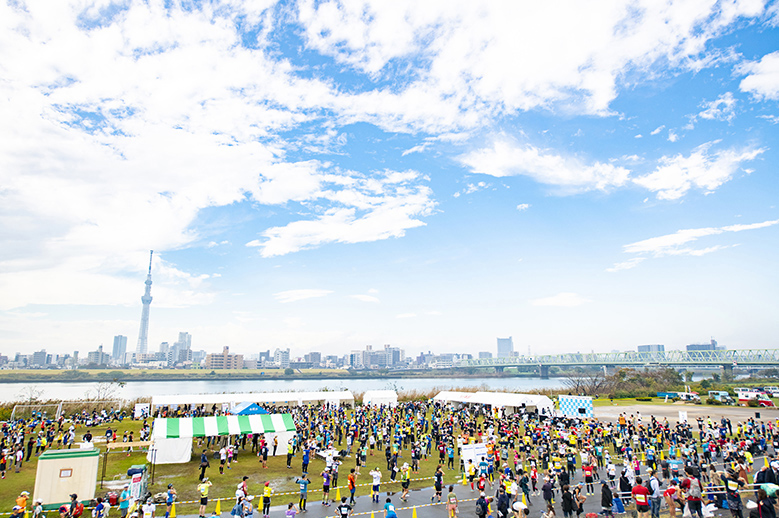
{"x": 247, "y": 408}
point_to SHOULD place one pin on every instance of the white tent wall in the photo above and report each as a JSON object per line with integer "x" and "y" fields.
{"x": 170, "y": 451}
{"x": 284, "y": 438}
{"x": 510, "y": 401}
{"x": 380, "y": 397}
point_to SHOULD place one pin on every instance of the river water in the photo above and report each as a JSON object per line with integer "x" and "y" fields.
{"x": 137, "y": 389}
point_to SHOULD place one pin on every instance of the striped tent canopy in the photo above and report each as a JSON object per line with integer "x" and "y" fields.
{"x": 184, "y": 427}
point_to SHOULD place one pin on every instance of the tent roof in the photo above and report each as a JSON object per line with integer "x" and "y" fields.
{"x": 498, "y": 399}
{"x": 255, "y": 397}
{"x": 185, "y": 427}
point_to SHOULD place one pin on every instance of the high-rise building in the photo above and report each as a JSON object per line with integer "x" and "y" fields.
{"x": 120, "y": 348}
{"x": 484, "y": 355}
{"x": 39, "y": 357}
{"x": 651, "y": 348}
{"x": 143, "y": 334}
{"x": 505, "y": 347}
{"x": 314, "y": 358}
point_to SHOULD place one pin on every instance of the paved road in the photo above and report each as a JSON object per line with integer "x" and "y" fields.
{"x": 735, "y": 413}
{"x": 420, "y": 499}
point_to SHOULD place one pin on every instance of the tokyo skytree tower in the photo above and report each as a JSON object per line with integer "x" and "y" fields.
{"x": 143, "y": 334}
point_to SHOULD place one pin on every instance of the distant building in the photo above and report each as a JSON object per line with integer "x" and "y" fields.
{"x": 484, "y": 355}
{"x": 281, "y": 358}
{"x": 505, "y": 347}
{"x": 39, "y": 358}
{"x": 711, "y": 346}
{"x": 98, "y": 357}
{"x": 652, "y": 348}
{"x": 224, "y": 360}
{"x": 313, "y": 358}
{"x": 119, "y": 349}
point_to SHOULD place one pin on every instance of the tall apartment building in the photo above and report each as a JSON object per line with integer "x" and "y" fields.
{"x": 224, "y": 360}
{"x": 281, "y": 358}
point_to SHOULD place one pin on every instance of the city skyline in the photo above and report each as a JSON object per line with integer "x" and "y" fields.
{"x": 321, "y": 175}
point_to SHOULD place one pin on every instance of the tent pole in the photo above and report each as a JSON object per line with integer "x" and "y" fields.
{"x": 105, "y": 461}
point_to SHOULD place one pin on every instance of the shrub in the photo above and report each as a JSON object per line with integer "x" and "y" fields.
{"x": 643, "y": 399}
{"x": 712, "y": 401}
{"x": 753, "y": 403}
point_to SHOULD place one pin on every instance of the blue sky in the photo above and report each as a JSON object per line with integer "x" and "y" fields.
{"x": 432, "y": 175}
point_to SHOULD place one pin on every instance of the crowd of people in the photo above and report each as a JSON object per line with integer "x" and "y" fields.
{"x": 526, "y": 461}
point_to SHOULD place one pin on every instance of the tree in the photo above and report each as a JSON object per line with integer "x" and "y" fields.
{"x": 104, "y": 391}
{"x": 30, "y": 394}
{"x": 289, "y": 371}
{"x": 587, "y": 383}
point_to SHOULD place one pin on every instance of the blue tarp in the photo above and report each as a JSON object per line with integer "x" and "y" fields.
{"x": 247, "y": 408}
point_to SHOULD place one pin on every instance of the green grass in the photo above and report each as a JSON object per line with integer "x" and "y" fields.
{"x": 185, "y": 476}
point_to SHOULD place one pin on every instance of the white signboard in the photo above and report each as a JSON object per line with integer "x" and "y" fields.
{"x": 473, "y": 452}
{"x": 682, "y": 416}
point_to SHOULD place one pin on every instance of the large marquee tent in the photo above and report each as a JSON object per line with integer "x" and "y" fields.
{"x": 173, "y": 436}
{"x": 509, "y": 401}
{"x": 224, "y": 402}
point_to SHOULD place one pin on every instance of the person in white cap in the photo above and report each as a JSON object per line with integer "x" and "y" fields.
{"x": 203, "y": 490}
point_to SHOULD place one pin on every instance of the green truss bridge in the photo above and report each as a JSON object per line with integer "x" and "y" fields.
{"x": 727, "y": 359}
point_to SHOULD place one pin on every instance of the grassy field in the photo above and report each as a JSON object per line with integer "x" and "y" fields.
{"x": 185, "y": 476}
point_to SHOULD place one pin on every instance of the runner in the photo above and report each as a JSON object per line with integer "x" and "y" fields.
{"x": 451, "y": 503}
{"x": 376, "y": 475}
{"x": 303, "y": 482}
{"x": 203, "y": 490}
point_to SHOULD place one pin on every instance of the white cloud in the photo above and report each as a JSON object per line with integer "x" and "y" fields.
{"x": 505, "y": 158}
{"x": 678, "y": 243}
{"x": 672, "y": 136}
{"x": 523, "y": 207}
{"x": 365, "y": 209}
{"x": 773, "y": 119}
{"x": 456, "y": 52}
{"x": 702, "y": 169}
{"x": 723, "y": 108}
{"x": 562, "y": 300}
{"x": 762, "y": 77}
{"x": 639, "y": 136}
{"x": 657, "y": 130}
{"x": 416, "y": 149}
{"x": 626, "y": 265}
{"x": 366, "y": 298}
{"x": 295, "y": 295}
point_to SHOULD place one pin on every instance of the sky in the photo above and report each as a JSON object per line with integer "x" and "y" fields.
{"x": 325, "y": 175}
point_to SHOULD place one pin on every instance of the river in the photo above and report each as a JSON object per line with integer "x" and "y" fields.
{"x": 137, "y": 389}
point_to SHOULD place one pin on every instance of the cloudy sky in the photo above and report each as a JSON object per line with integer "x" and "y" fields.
{"x": 322, "y": 175}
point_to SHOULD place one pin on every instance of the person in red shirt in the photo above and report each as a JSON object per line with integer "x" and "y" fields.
{"x": 589, "y": 471}
{"x": 641, "y": 497}
{"x": 693, "y": 491}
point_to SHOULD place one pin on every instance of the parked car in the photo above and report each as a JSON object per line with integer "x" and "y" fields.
{"x": 722, "y": 396}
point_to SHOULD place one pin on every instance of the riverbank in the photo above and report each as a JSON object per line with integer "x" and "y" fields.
{"x": 127, "y": 375}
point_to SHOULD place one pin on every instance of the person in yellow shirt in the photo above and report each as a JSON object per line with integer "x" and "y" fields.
{"x": 266, "y": 500}
{"x": 203, "y": 490}
{"x": 22, "y": 499}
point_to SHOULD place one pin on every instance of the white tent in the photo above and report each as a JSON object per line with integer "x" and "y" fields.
{"x": 261, "y": 398}
{"x": 380, "y": 397}
{"x": 509, "y": 401}
{"x": 173, "y": 437}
